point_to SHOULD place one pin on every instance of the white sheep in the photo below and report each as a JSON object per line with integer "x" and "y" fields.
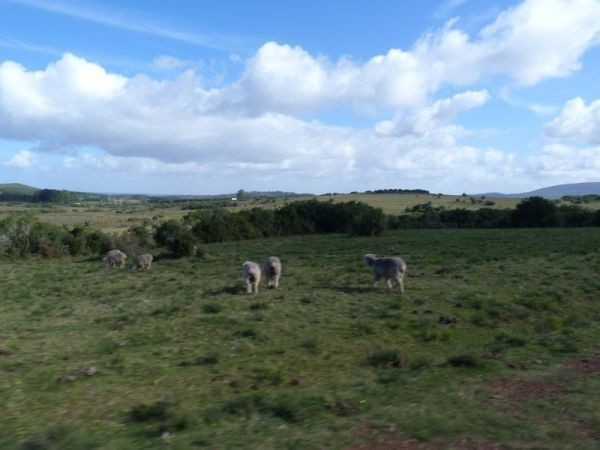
{"x": 272, "y": 269}
{"x": 388, "y": 267}
{"x": 143, "y": 262}
{"x": 115, "y": 258}
{"x": 251, "y": 273}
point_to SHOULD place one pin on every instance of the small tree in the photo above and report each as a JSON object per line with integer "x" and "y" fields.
{"x": 177, "y": 237}
{"x": 241, "y": 194}
{"x": 535, "y": 212}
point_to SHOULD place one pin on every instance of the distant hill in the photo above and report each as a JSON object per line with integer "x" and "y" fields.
{"x": 553, "y": 192}
{"x": 17, "y": 188}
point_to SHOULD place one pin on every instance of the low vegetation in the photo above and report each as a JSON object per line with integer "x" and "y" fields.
{"x": 22, "y": 234}
{"x": 495, "y": 343}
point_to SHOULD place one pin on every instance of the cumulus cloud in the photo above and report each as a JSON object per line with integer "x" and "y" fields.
{"x": 541, "y": 39}
{"x": 577, "y": 122}
{"x": 435, "y": 118}
{"x": 251, "y": 125}
{"x": 22, "y": 159}
{"x": 567, "y": 163}
{"x": 534, "y": 41}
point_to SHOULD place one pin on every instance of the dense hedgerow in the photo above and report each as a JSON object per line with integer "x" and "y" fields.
{"x": 41, "y": 196}
{"x": 22, "y": 235}
{"x": 302, "y": 217}
{"x": 529, "y": 213}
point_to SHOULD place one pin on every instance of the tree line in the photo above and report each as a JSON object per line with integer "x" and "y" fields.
{"x": 41, "y": 196}
{"x": 21, "y": 234}
{"x": 533, "y": 212}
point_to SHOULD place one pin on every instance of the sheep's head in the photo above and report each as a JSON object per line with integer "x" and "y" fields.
{"x": 369, "y": 259}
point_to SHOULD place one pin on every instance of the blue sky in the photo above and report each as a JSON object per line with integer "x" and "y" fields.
{"x": 187, "y": 97}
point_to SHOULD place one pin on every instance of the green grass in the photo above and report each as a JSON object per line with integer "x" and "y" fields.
{"x": 118, "y": 218}
{"x": 184, "y": 359}
{"x": 390, "y": 203}
{"x": 107, "y": 218}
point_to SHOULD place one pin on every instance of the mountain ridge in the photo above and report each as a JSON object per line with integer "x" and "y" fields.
{"x": 554, "y": 192}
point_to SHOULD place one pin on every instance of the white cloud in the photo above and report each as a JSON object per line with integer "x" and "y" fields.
{"x": 577, "y": 121}
{"x": 22, "y": 159}
{"x": 167, "y": 62}
{"x": 541, "y": 39}
{"x": 538, "y": 108}
{"x": 534, "y": 41}
{"x": 435, "y": 118}
{"x": 565, "y": 163}
{"x": 250, "y": 128}
{"x": 177, "y": 126}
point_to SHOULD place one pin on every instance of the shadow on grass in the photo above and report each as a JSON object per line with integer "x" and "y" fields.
{"x": 358, "y": 290}
{"x": 232, "y": 290}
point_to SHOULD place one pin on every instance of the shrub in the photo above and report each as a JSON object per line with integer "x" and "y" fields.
{"x": 463, "y": 361}
{"x": 211, "y": 308}
{"x": 386, "y": 358}
{"x": 177, "y": 237}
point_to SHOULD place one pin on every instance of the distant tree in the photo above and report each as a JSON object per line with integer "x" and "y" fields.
{"x": 241, "y": 194}
{"x": 54, "y": 196}
{"x": 177, "y": 237}
{"x": 535, "y": 212}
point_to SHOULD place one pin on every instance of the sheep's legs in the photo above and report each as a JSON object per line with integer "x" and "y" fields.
{"x": 255, "y": 288}
{"x": 400, "y": 283}
{"x": 248, "y": 287}
{"x": 377, "y": 279}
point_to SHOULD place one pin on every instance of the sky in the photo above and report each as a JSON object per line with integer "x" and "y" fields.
{"x": 187, "y": 97}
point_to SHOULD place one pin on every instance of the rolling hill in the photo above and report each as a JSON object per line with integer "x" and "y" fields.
{"x": 17, "y": 188}
{"x": 553, "y": 192}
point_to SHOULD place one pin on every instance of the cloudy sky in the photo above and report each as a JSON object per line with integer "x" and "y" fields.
{"x": 209, "y": 97}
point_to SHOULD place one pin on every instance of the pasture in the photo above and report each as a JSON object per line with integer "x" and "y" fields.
{"x": 117, "y": 218}
{"x": 496, "y": 342}
{"x": 391, "y": 203}
{"x": 109, "y": 218}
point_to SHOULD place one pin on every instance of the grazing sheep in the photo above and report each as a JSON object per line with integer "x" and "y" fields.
{"x": 115, "y": 258}
{"x": 272, "y": 269}
{"x": 388, "y": 267}
{"x": 143, "y": 262}
{"x": 251, "y": 274}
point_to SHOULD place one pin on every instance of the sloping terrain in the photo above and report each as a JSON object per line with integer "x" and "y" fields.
{"x": 494, "y": 345}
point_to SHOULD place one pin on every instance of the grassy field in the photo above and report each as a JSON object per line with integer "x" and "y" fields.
{"x": 117, "y": 218}
{"x": 496, "y": 341}
{"x": 394, "y": 203}
{"x": 107, "y": 218}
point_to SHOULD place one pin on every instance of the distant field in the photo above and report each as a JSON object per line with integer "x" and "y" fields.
{"x": 394, "y": 203}
{"x": 496, "y": 344}
{"x": 112, "y": 218}
{"x": 108, "y": 219}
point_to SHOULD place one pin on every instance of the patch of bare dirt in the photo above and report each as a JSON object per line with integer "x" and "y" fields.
{"x": 389, "y": 438}
{"x": 394, "y": 443}
{"x": 470, "y": 444}
{"x": 404, "y": 443}
{"x": 589, "y": 365}
{"x": 515, "y": 389}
